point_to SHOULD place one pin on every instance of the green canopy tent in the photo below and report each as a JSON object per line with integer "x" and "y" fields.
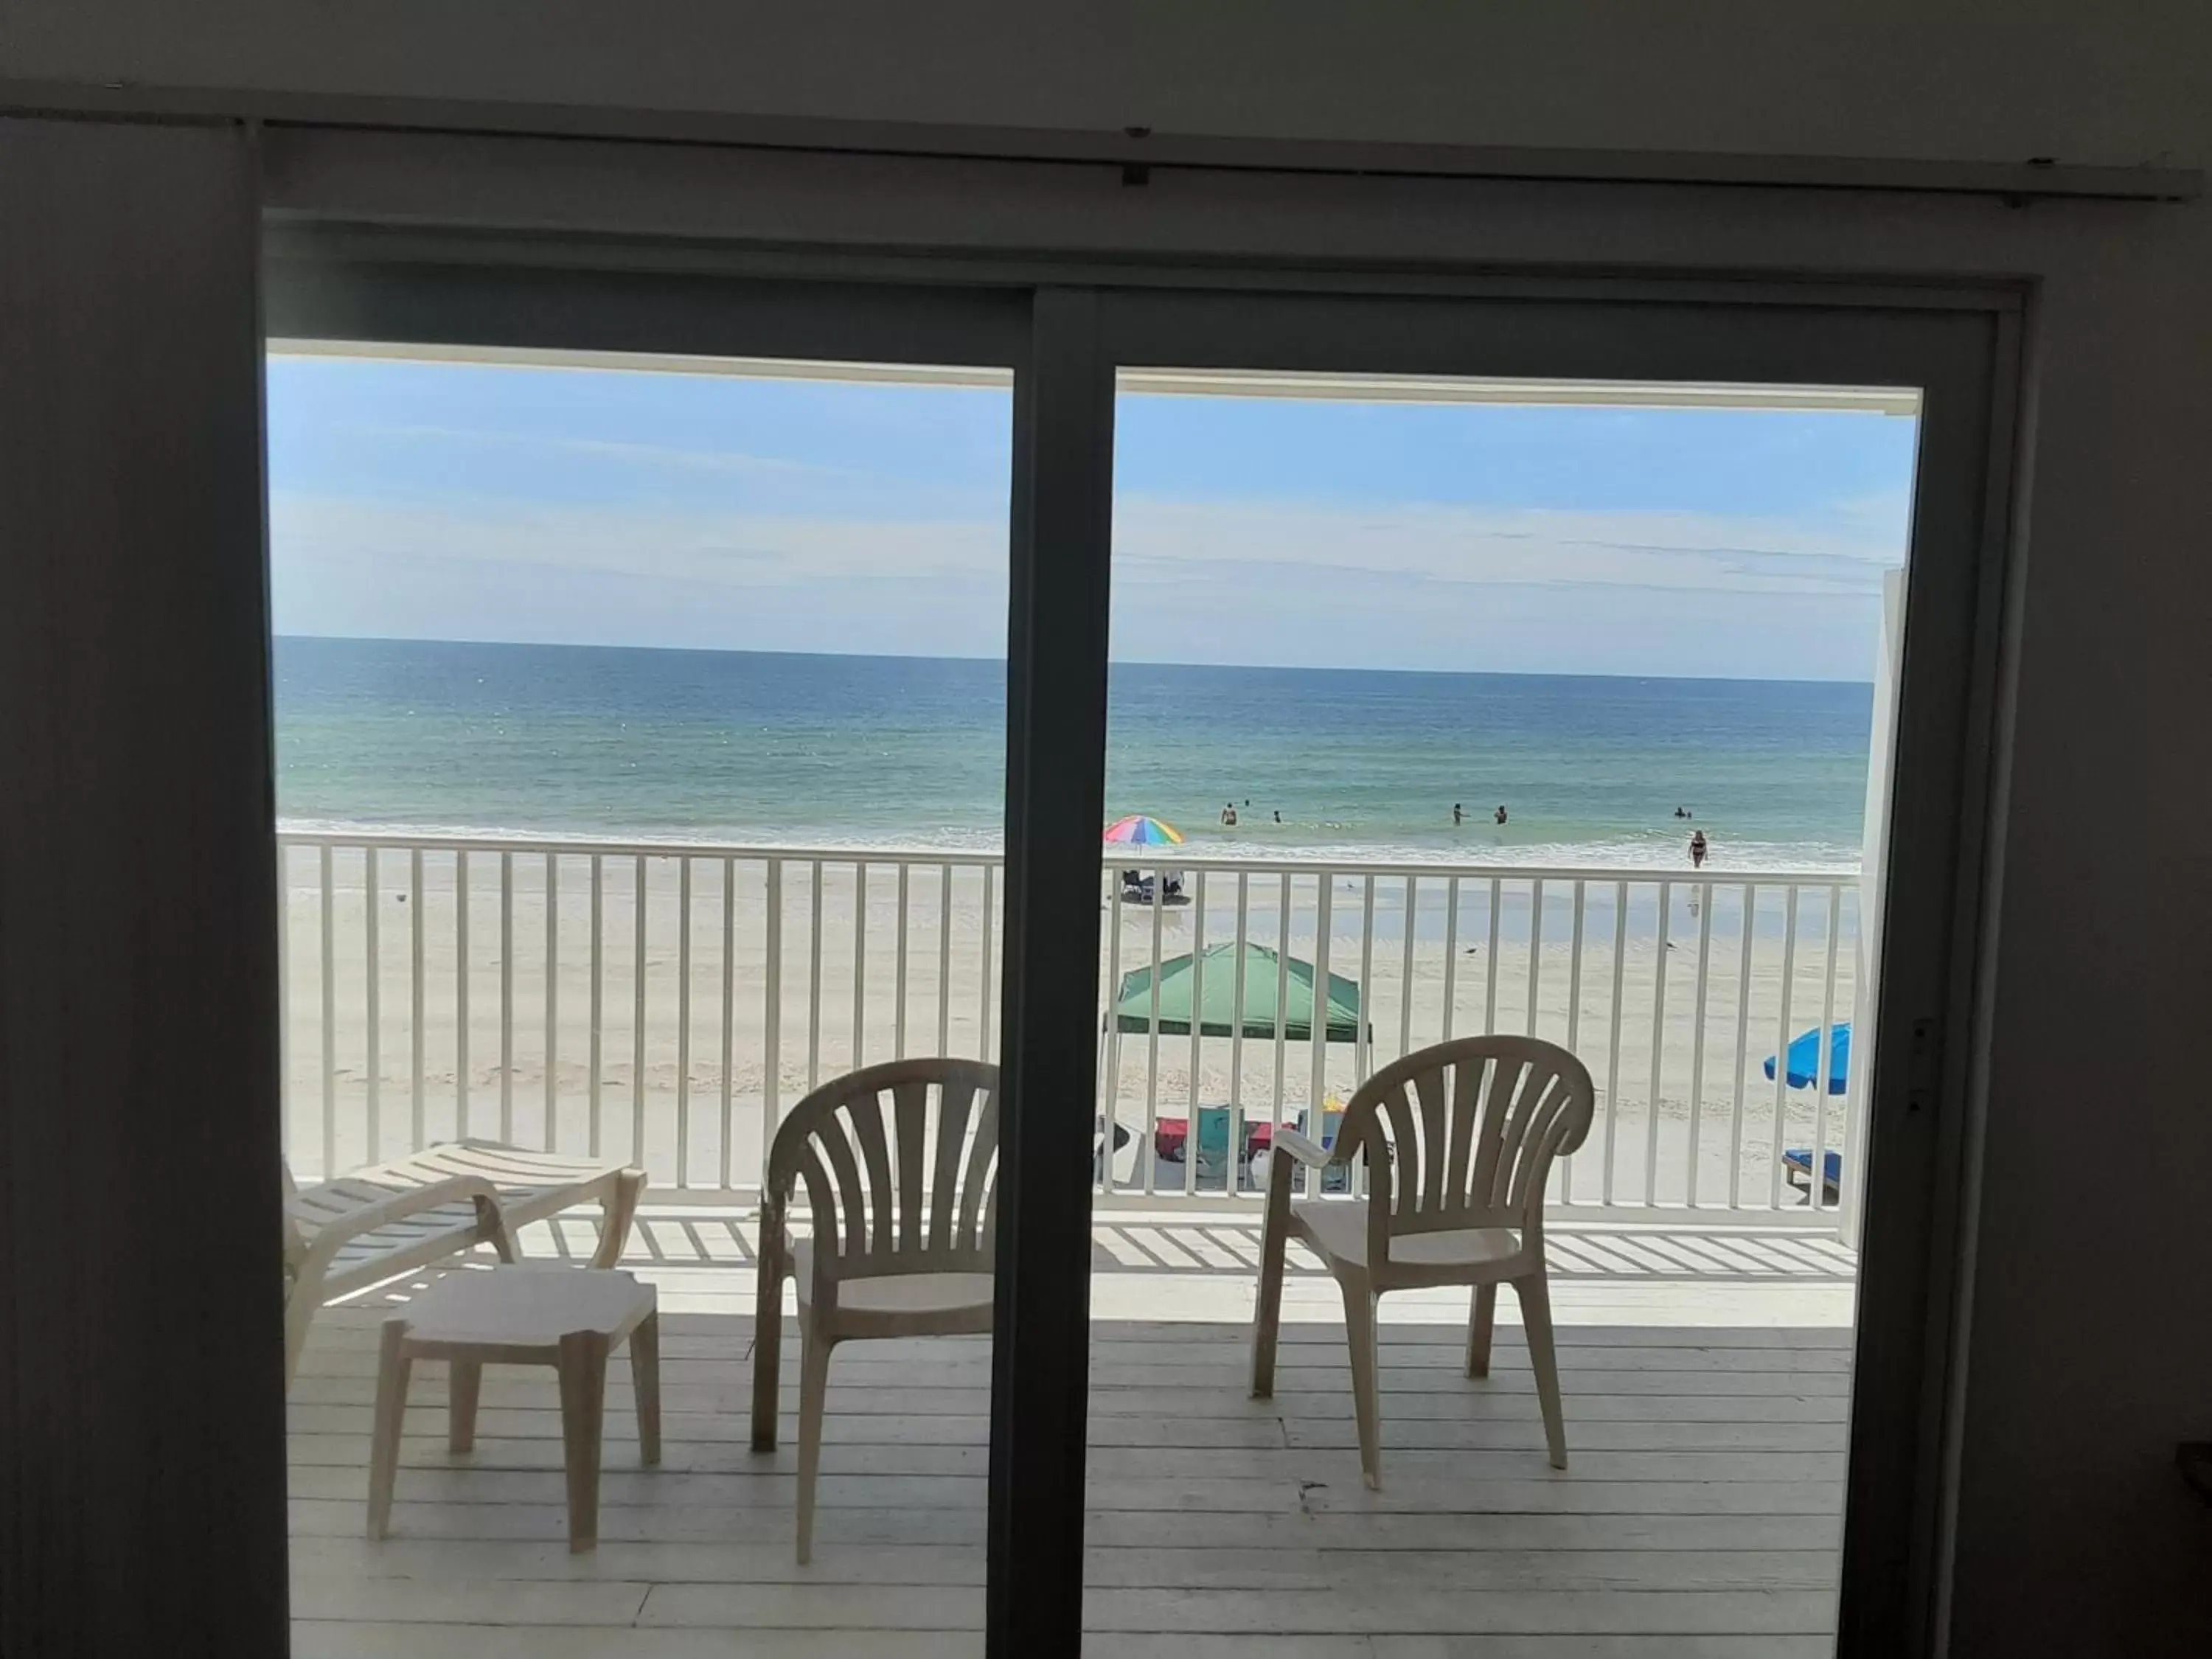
{"x": 1210, "y": 981}
{"x": 1210, "y": 989}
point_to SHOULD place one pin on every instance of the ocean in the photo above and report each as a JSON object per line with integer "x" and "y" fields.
{"x": 789, "y": 749}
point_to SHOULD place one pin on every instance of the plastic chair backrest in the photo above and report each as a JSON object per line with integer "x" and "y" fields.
{"x": 1462, "y": 1135}
{"x": 900, "y": 1166}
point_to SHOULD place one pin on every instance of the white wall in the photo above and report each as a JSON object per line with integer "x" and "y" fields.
{"x": 2090, "y": 1339}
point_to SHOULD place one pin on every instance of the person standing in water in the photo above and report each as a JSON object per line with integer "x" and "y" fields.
{"x": 1501, "y": 815}
{"x": 1229, "y": 814}
{"x": 1697, "y": 850}
{"x": 1278, "y": 814}
{"x": 1458, "y": 815}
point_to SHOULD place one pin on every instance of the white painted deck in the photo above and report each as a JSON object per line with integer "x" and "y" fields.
{"x": 1706, "y": 1371}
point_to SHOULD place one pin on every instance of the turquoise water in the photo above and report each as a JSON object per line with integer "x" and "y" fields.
{"x": 822, "y": 751}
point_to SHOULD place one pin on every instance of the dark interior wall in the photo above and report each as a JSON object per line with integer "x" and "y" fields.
{"x": 2090, "y": 1335}
{"x": 1877, "y": 77}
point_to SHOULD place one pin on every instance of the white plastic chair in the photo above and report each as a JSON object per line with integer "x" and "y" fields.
{"x": 1459, "y": 1139}
{"x": 900, "y": 1165}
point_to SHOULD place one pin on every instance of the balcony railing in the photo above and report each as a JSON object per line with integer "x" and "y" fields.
{"x": 667, "y": 1003}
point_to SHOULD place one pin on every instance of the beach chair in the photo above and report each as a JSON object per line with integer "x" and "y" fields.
{"x": 1459, "y": 1140}
{"x": 900, "y": 1164}
{"x": 343, "y": 1235}
{"x": 1797, "y": 1168}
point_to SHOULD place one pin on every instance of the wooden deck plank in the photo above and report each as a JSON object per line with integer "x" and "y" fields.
{"x": 1699, "y": 1517}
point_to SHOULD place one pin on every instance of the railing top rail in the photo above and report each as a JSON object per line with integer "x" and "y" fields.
{"x": 1110, "y": 858}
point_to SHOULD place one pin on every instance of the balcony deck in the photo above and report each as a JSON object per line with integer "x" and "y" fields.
{"x": 1706, "y": 1369}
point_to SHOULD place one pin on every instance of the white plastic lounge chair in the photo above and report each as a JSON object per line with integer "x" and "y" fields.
{"x": 343, "y": 1235}
{"x": 1459, "y": 1139}
{"x": 900, "y": 1164}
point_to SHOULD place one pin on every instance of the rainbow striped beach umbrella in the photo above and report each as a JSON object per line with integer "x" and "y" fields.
{"x": 1140, "y": 830}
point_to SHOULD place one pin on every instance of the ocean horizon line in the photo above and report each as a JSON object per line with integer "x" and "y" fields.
{"x": 1113, "y": 662}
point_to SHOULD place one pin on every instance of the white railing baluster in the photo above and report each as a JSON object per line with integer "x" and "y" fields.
{"x": 1535, "y": 953}
{"x": 284, "y": 1044}
{"x": 1192, "y": 1106}
{"x": 461, "y": 993}
{"x": 990, "y": 939}
{"x": 729, "y": 1006}
{"x": 1318, "y": 1090}
{"x": 1237, "y": 1035}
{"x": 1282, "y": 987}
{"x": 1490, "y": 967}
{"x": 325, "y": 902}
{"x": 772, "y": 1013}
{"x": 1364, "y": 1060}
{"x": 1613, "y": 1044}
{"x": 372, "y": 993}
{"x": 415, "y": 1126}
{"x": 898, "y": 983}
{"x": 637, "y": 1012}
{"x": 552, "y": 1125}
{"x": 684, "y": 1021}
{"x": 814, "y": 982}
{"x": 860, "y": 964}
{"x": 1742, "y": 1046}
{"x": 1782, "y": 1043}
{"x": 1816, "y": 1178}
{"x": 1574, "y": 1026}
{"x": 599, "y": 997}
{"x": 1405, "y": 970}
{"x": 1148, "y": 1175}
{"x": 1658, "y": 1044}
{"x": 944, "y": 959}
{"x": 1705, "y": 892}
{"x": 1451, "y": 956}
{"x": 1109, "y": 1057}
{"x": 507, "y": 997}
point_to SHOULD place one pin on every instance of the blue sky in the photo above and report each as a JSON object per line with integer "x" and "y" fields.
{"x": 475, "y": 501}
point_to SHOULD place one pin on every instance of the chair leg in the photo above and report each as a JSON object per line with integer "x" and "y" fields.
{"x": 1366, "y": 1404}
{"x": 768, "y": 1344}
{"x": 617, "y": 1210}
{"x": 645, "y": 1383}
{"x": 813, "y": 1388}
{"x": 1481, "y": 1319}
{"x": 300, "y": 1310}
{"x": 1268, "y": 1313}
{"x": 1536, "y": 1321}
{"x": 392, "y": 1368}
{"x": 583, "y": 1371}
{"x": 464, "y": 1385}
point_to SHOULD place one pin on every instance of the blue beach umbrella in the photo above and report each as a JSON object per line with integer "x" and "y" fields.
{"x": 1805, "y": 1058}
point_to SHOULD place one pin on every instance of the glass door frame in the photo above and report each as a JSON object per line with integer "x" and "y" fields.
{"x": 1961, "y": 352}
{"x": 1065, "y": 328}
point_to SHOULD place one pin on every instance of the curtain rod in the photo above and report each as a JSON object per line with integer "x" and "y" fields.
{"x": 1136, "y": 151}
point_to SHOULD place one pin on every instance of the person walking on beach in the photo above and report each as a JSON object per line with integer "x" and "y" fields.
{"x": 1458, "y": 816}
{"x": 1229, "y": 814}
{"x": 1697, "y": 850}
{"x": 1501, "y": 815}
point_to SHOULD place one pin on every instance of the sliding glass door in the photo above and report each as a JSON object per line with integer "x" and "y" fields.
{"x": 1525, "y": 669}
{"x": 1192, "y": 703}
